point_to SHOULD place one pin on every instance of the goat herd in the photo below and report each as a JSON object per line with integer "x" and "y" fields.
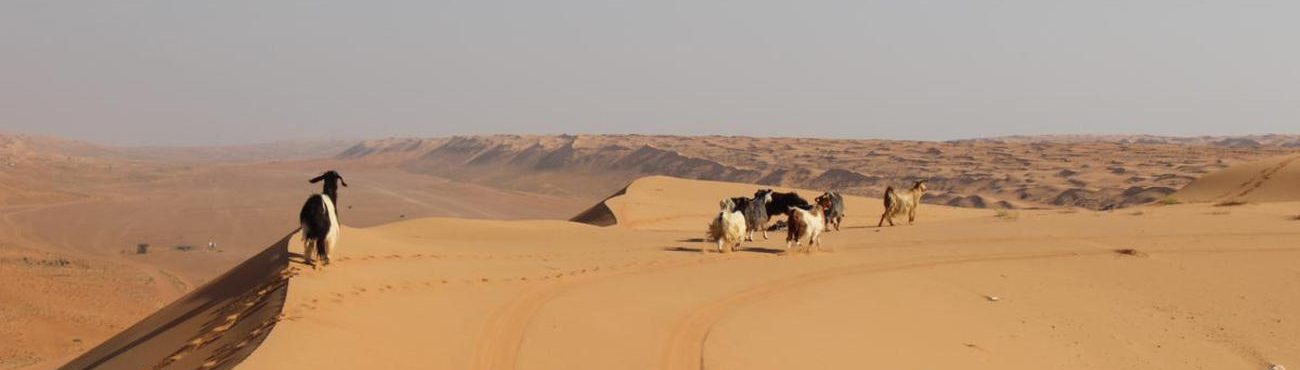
{"x": 740, "y": 217}
{"x": 735, "y": 223}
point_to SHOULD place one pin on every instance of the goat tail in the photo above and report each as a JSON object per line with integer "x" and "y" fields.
{"x": 715, "y": 228}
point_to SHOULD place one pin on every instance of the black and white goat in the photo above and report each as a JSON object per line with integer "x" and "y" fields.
{"x": 331, "y": 187}
{"x": 755, "y": 210}
{"x": 781, "y": 203}
{"x": 833, "y": 203}
{"x": 320, "y": 228}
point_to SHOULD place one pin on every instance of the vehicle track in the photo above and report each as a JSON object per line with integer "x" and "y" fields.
{"x": 686, "y": 344}
{"x": 498, "y": 346}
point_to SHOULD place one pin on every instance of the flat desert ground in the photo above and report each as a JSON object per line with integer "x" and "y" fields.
{"x": 1207, "y": 283}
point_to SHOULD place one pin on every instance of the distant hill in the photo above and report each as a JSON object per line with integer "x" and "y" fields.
{"x": 1053, "y": 171}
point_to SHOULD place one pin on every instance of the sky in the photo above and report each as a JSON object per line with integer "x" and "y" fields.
{"x": 231, "y": 72}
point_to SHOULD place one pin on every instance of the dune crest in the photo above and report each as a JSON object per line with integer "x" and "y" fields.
{"x": 1271, "y": 180}
{"x": 213, "y": 327}
{"x": 670, "y": 203}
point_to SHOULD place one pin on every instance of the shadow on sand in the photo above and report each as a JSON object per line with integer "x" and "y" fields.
{"x": 214, "y": 327}
{"x": 712, "y": 248}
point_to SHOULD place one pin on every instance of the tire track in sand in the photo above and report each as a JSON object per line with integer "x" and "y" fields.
{"x": 498, "y": 345}
{"x": 685, "y": 346}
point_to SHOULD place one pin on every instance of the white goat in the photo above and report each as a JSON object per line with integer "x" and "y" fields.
{"x": 728, "y": 228}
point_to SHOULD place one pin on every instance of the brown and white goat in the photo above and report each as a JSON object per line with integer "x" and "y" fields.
{"x": 833, "y": 203}
{"x": 806, "y": 224}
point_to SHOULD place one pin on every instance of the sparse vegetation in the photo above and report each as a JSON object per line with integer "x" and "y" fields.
{"x": 1130, "y": 252}
{"x": 1168, "y": 201}
{"x": 1230, "y": 203}
{"x": 1219, "y": 213}
{"x": 1138, "y": 213}
{"x": 1007, "y": 214}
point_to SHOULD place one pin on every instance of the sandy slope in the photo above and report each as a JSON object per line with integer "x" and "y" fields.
{"x": 73, "y": 278}
{"x": 72, "y": 213}
{"x": 213, "y": 327}
{"x": 667, "y": 203}
{"x": 1204, "y": 288}
{"x": 1270, "y": 180}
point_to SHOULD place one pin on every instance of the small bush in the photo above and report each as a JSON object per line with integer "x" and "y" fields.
{"x": 1007, "y": 214}
{"x": 1138, "y": 213}
{"x": 1130, "y": 252}
{"x": 1168, "y": 201}
{"x": 1230, "y": 203}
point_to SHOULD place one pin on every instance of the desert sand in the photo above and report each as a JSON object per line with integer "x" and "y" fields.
{"x": 1191, "y": 283}
{"x": 1271, "y": 180}
{"x": 72, "y": 215}
{"x": 1182, "y": 286}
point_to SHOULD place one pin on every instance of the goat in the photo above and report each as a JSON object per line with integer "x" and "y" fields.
{"x": 728, "y": 227}
{"x": 320, "y": 228}
{"x": 755, "y": 210}
{"x": 781, "y": 203}
{"x": 807, "y": 224}
{"x": 331, "y": 187}
{"x": 833, "y": 203}
{"x": 897, "y": 203}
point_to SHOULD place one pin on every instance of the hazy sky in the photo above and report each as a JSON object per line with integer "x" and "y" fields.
{"x": 221, "y": 72}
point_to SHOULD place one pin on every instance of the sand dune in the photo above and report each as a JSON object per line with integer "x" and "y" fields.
{"x": 1097, "y": 172}
{"x": 213, "y": 327}
{"x": 72, "y": 215}
{"x": 1183, "y": 286}
{"x": 1270, "y": 180}
{"x": 668, "y": 203}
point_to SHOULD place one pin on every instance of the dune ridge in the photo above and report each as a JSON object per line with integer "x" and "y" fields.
{"x": 214, "y": 326}
{"x": 1272, "y": 180}
{"x": 1098, "y": 172}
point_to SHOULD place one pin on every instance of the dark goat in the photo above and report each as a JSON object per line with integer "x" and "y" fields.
{"x": 781, "y": 203}
{"x": 755, "y": 210}
{"x": 320, "y": 228}
{"x": 331, "y": 188}
{"x": 833, "y": 203}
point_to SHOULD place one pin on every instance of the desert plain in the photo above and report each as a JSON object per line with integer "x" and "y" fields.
{"x": 587, "y": 252}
